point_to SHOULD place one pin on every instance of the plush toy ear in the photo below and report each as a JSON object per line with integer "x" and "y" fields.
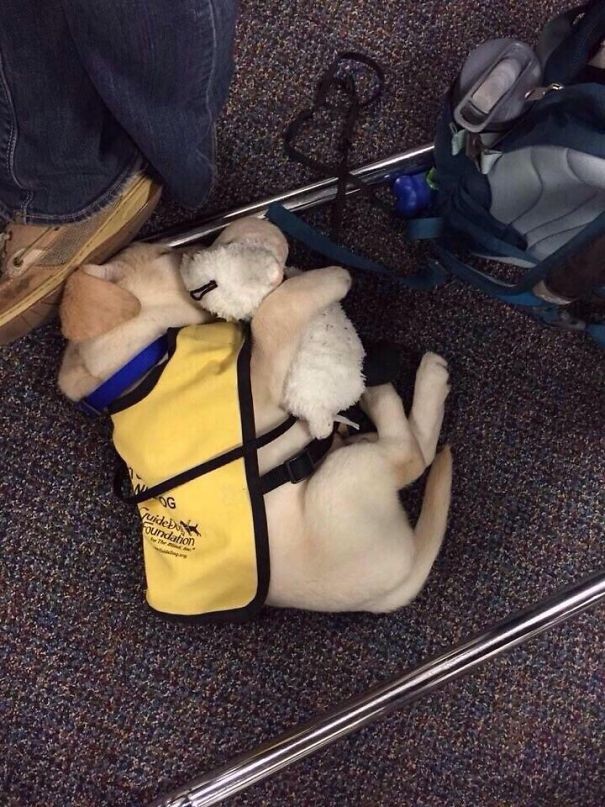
{"x": 91, "y": 306}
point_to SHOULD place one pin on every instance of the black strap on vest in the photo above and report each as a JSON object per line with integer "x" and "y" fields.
{"x": 294, "y": 470}
{"x": 333, "y": 79}
{"x": 299, "y": 467}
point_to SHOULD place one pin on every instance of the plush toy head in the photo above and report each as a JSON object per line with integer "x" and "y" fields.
{"x": 232, "y": 277}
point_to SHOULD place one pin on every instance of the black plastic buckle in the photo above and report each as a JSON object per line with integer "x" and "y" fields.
{"x": 300, "y": 467}
{"x": 198, "y": 294}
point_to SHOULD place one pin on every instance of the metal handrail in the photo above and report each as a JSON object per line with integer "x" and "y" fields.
{"x": 317, "y": 193}
{"x": 282, "y": 751}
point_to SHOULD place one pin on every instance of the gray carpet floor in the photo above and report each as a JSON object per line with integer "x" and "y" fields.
{"x": 103, "y": 704}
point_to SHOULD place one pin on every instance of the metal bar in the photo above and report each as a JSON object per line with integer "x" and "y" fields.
{"x": 282, "y": 751}
{"x": 303, "y": 198}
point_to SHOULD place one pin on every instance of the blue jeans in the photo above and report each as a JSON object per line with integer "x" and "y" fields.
{"x": 90, "y": 90}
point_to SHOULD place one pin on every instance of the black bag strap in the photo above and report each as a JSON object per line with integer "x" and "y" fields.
{"x": 167, "y": 485}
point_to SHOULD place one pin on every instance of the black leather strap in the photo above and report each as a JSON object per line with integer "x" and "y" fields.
{"x": 283, "y": 427}
{"x": 334, "y": 79}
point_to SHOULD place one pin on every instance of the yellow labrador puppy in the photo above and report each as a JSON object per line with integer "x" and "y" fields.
{"x": 339, "y": 540}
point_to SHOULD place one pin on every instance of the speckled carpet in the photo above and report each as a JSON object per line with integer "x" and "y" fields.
{"x": 103, "y": 704}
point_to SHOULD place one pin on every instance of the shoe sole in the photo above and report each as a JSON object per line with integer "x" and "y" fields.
{"x": 42, "y": 304}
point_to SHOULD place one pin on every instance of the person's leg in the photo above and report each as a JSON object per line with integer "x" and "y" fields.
{"x": 87, "y": 91}
{"x": 163, "y": 70}
{"x": 61, "y": 152}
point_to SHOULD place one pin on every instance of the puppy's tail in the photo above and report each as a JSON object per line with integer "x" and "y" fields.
{"x": 430, "y": 528}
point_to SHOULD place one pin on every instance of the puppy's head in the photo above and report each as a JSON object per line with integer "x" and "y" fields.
{"x": 110, "y": 312}
{"x": 97, "y": 299}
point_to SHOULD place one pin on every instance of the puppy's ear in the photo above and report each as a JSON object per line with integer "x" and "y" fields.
{"x": 91, "y": 306}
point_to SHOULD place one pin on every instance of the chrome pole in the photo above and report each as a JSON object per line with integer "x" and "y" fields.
{"x": 303, "y": 198}
{"x": 282, "y": 751}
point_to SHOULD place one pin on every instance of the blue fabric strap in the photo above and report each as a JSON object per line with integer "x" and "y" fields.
{"x": 597, "y": 331}
{"x": 517, "y": 295}
{"x": 469, "y": 222}
{"x": 423, "y": 229}
{"x": 434, "y": 274}
{"x": 118, "y": 383}
{"x": 520, "y": 294}
{"x": 429, "y": 277}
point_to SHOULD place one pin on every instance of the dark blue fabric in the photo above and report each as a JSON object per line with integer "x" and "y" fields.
{"x": 573, "y": 118}
{"x": 597, "y": 332}
{"x": 519, "y": 294}
{"x": 428, "y": 276}
{"x": 90, "y": 89}
{"x": 464, "y": 198}
{"x": 425, "y": 228}
{"x": 575, "y": 51}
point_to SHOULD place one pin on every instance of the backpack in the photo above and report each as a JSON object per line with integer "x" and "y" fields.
{"x": 520, "y": 168}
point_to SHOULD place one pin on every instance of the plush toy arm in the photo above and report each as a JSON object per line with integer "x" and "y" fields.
{"x": 326, "y": 375}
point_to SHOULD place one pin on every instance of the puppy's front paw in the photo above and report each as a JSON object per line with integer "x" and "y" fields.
{"x": 340, "y": 278}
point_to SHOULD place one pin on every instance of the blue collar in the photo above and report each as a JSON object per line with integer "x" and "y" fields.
{"x": 100, "y": 398}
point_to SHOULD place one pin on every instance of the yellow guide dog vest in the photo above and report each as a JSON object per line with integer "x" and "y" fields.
{"x": 204, "y": 528}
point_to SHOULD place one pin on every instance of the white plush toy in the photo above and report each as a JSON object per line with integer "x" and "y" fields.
{"x": 231, "y": 278}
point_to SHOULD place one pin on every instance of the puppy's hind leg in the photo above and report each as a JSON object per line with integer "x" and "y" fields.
{"x": 357, "y": 529}
{"x": 396, "y": 440}
{"x": 430, "y": 391}
{"x": 428, "y": 536}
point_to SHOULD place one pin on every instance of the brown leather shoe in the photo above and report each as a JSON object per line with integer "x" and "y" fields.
{"x": 37, "y": 260}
